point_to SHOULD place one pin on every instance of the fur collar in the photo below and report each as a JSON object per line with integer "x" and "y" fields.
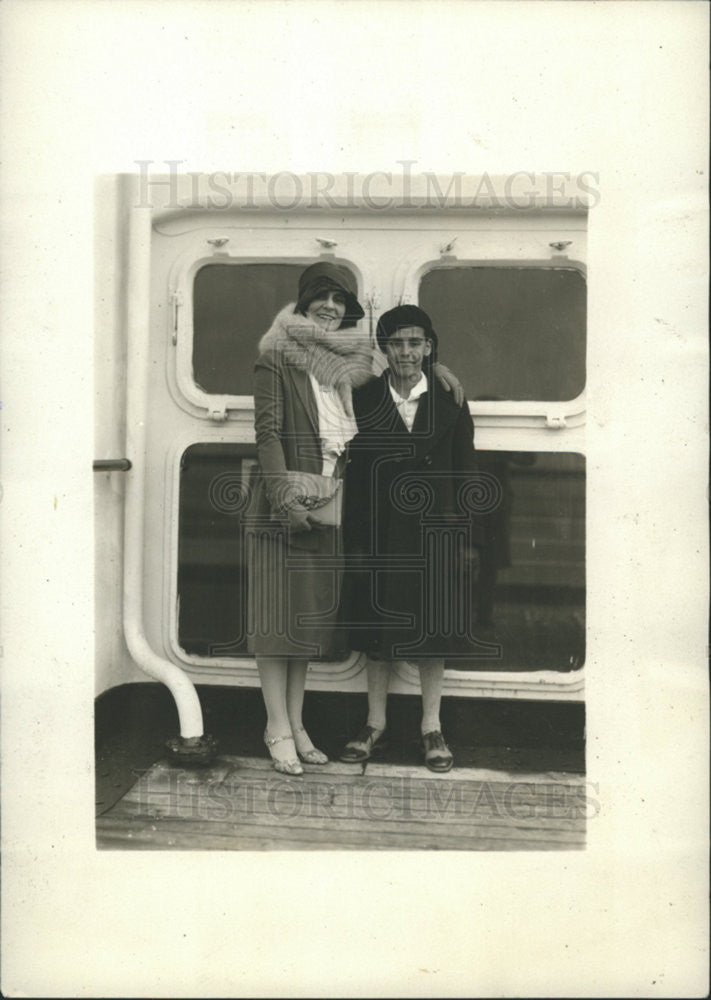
{"x": 343, "y": 356}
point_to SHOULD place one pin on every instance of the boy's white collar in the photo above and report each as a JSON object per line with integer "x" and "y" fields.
{"x": 418, "y": 389}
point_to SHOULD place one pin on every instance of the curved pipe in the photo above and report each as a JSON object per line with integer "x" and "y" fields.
{"x": 180, "y": 686}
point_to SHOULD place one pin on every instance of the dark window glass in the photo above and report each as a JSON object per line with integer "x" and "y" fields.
{"x": 529, "y": 585}
{"x": 233, "y": 306}
{"x": 212, "y": 575}
{"x": 513, "y": 333}
{"x": 529, "y": 580}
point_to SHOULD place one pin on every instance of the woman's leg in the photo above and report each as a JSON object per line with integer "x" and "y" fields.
{"x": 295, "y": 687}
{"x": 431, "y": 682}
{"x": 273, "y": 675}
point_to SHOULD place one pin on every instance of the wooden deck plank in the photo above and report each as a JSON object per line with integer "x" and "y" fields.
{"x": 467, "y": 774}
{"x": 482, "y": 794}
{"x": 250, "y": 769}
{"x": 464, "y": 826}
{"x": 228, "y": 763}
{"x": 261, "y": 801}
{"x": 556, "y": 799}
{"x": 202, "y": 841}
{"x": 395, "y": 790}
{"x": 243, "y": 804}
{"x": 297, "y": 827}
{"x": 192, "y": 835}
{"x": 452, "y": 819}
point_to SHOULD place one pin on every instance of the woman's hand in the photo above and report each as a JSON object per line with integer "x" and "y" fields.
{"x": 299, "y": 519}
{"x": 449, "y": 382}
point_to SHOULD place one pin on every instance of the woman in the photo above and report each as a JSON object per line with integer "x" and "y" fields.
{"x": 310, "y": 360}
{"x": 413, "y": 470}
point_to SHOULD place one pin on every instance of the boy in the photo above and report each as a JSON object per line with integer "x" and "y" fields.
{"x": 407, "y": 530}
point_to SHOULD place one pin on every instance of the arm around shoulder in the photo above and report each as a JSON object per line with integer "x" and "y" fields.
{"x": 464, "y": 453}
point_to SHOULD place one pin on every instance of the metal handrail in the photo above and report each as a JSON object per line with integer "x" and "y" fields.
{"x": 111, "y": 464}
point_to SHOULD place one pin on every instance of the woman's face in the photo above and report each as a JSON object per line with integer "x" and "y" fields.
{"x": 328, "y": 309}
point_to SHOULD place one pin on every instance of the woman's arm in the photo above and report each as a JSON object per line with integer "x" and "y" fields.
{"x": 478, "y": 491}
{"x": 463, "y": 453}
{"x": 449, "y": 381}
{"x": 269, "y": 417}
{"x": 268, "y": 427}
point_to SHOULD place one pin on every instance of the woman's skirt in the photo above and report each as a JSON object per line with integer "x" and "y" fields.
{"x": 294, "y": 592}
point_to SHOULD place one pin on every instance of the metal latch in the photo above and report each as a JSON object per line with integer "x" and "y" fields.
{"x": 555, "y": 421}
{"x": 446, "y": 249}
{"x": 218, "y": 412}
{"x": 176, "y": 299}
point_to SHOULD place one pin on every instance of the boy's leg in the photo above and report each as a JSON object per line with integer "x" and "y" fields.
{"x": 378, "y": 672}
{"x": 431, "y": 682}
{"x": 360, "y": 747}
{"x": 438, "y": 756}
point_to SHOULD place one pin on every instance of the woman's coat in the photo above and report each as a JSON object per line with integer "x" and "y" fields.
{"x": 295, "y": 578}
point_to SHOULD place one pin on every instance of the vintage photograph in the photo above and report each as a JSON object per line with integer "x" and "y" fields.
{"x": 354, "y": 498}
{"x": 340, "y": 487}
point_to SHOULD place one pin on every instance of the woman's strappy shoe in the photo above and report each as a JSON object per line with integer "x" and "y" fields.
{"x": 312, "y": 756}
{"x": 283, "y": 766}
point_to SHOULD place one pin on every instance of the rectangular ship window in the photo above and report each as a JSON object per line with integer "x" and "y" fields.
{"x": 212, "y": 572}
{"x": 529, "y": 582}
{"x": 233, "y": 307}
{"x": 510, "y": 333}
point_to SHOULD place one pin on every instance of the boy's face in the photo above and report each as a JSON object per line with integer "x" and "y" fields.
{"x": 406, "y": 350}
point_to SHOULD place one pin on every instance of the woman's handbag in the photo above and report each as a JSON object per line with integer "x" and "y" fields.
{"x": 322, "y": 496}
